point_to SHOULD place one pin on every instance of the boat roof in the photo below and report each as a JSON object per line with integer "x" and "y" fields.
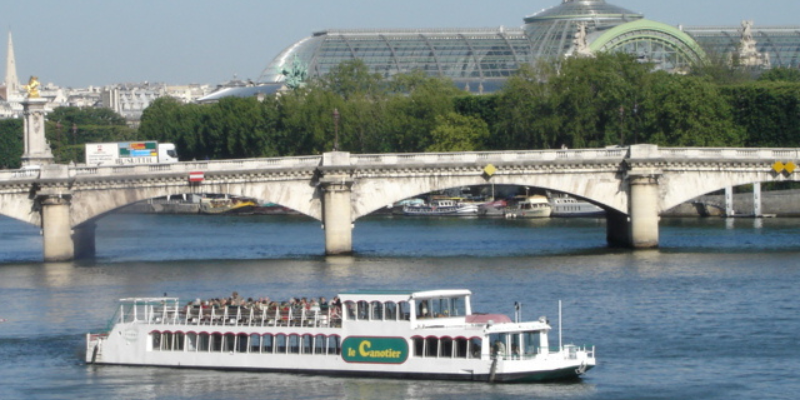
{"x": 407, "y": 294}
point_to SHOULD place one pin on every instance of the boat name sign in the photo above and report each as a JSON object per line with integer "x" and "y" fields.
{"x": 380, "y": 350}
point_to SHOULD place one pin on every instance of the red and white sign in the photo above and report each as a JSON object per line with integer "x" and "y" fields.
{"x": 196, "y": 176}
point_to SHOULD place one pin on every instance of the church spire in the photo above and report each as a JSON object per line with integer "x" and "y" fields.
{"x": 12, "y": 82}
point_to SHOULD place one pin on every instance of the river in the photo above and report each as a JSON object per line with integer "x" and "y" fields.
{"x": 712, "y": 314}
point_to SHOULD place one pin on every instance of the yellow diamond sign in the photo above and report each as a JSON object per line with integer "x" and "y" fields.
{"x": 778, "y": 167}
{"x": 790, "y": 167}
{"x": 489, "y": 170}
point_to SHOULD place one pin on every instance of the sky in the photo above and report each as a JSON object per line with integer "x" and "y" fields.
{"x": 81, "y": 43}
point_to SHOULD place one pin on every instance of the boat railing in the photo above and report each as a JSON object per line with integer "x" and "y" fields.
{"x": 256, "y": 316}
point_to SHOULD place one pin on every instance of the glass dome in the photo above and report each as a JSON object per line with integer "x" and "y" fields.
{"x": 551, "y": 31}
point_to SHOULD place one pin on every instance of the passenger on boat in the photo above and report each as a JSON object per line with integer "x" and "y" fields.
{"x": 499, "y": 348}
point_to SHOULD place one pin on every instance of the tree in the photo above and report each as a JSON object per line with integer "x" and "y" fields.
{"x": 781, "y": 74}
{"x": 455, "y": 132}
{"x": 11, "y": 145}
{"x": 688, "y": 111}
{"x": 527, "y": 116}
{"x": 69, "y": 128}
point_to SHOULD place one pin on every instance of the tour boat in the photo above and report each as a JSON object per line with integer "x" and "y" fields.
{"x": 431, "y": 334}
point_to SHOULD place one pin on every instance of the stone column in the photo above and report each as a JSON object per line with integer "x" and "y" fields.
{"x": 643, "y": 209}
{"x": 337, "y": 214}
{"x": 37, "y": 150}
{"x": 729, "y": 211}
{"x": 83, "y": 237}
{"x": 757, "y": 200}
{"x": 58, "y": 245}
{"x": 336, "y": 184}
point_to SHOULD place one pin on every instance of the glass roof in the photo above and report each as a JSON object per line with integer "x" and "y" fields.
{"x": 584, "y": 9}
{"x": 481, "y": 60}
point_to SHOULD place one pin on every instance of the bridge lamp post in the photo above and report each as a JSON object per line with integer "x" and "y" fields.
{"x": 335, "y": 129}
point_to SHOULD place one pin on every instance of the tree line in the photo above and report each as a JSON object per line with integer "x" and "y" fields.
{"x": 611, "y": 99}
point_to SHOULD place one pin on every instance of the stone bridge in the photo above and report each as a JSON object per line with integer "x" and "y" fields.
{"x": 633, "y": 184}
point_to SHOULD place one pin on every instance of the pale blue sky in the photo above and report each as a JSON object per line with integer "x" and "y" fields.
{"x": 77, "y": 43}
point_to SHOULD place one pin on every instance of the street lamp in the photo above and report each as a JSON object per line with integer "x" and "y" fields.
{"x": 336, "y": 129}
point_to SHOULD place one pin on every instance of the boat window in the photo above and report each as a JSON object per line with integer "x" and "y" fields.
{"x": 334, "y": 346}
{"x": 419, "y": 347}
{"x": 229, "y": 342}
{"x": 515, "y": 345}
{"x": 191, "y": 341}
{"x": 475, "y": 347}
{"x": 363, "y": 310}
{"x": 458, "y": 306}
{"x": 448, "y": 307}
{"x": 461, "y": 347}
{"x": 255, "y": 343}
{"x": 431, "y": 346}
{"x": 390, "y": 311}
{"x": 167, "y": 341}
{"x": 308, "y": 344}
{"x": 499, "y": 343}
{"x": 203, "y": 342}
{"x": 294, "y": 344}
{"x": 404, "y": 308}
{"x": 319, "y": 344}
{"x": 180, "y": 339}
{"x": 350, "y": 309}
{"x": 377, "y": 311}
{"x": 446, "y": 347}
{"x": 424, "y": 309}
{"x": 280, "y": 343}
{"x": 531, "y": 342}
{"x": 156, "y": 338}
{"x": 216, "y": 342}
{"x": 267, "y": 344}
{"x": 242, "y": 342}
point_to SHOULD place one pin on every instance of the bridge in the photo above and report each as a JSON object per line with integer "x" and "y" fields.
{"x": 633, "y": 184}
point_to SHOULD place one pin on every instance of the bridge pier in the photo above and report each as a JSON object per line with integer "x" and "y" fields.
{"x": 56, "y": 231}
{"x": 337, "y": 219}
{"x": 643, "y": 210}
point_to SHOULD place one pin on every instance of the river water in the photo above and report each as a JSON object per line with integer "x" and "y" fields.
{"x": 712, "y": 314}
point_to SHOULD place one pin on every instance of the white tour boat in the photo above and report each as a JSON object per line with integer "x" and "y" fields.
{"x": 536, "y": 206}
{"x": 399, "y": 334}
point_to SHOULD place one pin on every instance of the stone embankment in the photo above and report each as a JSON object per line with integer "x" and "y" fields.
{"x": 780, "y": 203}
{"x": 161, "y": 208}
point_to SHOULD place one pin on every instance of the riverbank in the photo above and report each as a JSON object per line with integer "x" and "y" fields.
{"x": 780, "y": 203}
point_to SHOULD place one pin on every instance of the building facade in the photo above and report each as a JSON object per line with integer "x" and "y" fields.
{"x": 482, "y": 59}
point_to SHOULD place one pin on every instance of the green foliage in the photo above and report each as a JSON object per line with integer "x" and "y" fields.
{"x": 687, "y": 111}
{"x": 579, "y": 102}
{"x": 69, "y": 128}
{"x": 769, "y": 112}
{"x": 11, "y": 146}
{"x": 455, "y": 132}
{"x": 781, "y": 74}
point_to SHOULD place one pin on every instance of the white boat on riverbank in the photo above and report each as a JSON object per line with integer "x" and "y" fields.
{"x": 536, "y": 206}
{"x": 568, "y": 207}
{"x": 441, "y": 207}
{"x": 430, "y": 334}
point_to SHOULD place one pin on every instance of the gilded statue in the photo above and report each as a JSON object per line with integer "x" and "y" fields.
{"x": 33, "y": 88}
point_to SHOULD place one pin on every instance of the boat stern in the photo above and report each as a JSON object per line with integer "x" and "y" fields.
{"x": 94, "y": 347}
